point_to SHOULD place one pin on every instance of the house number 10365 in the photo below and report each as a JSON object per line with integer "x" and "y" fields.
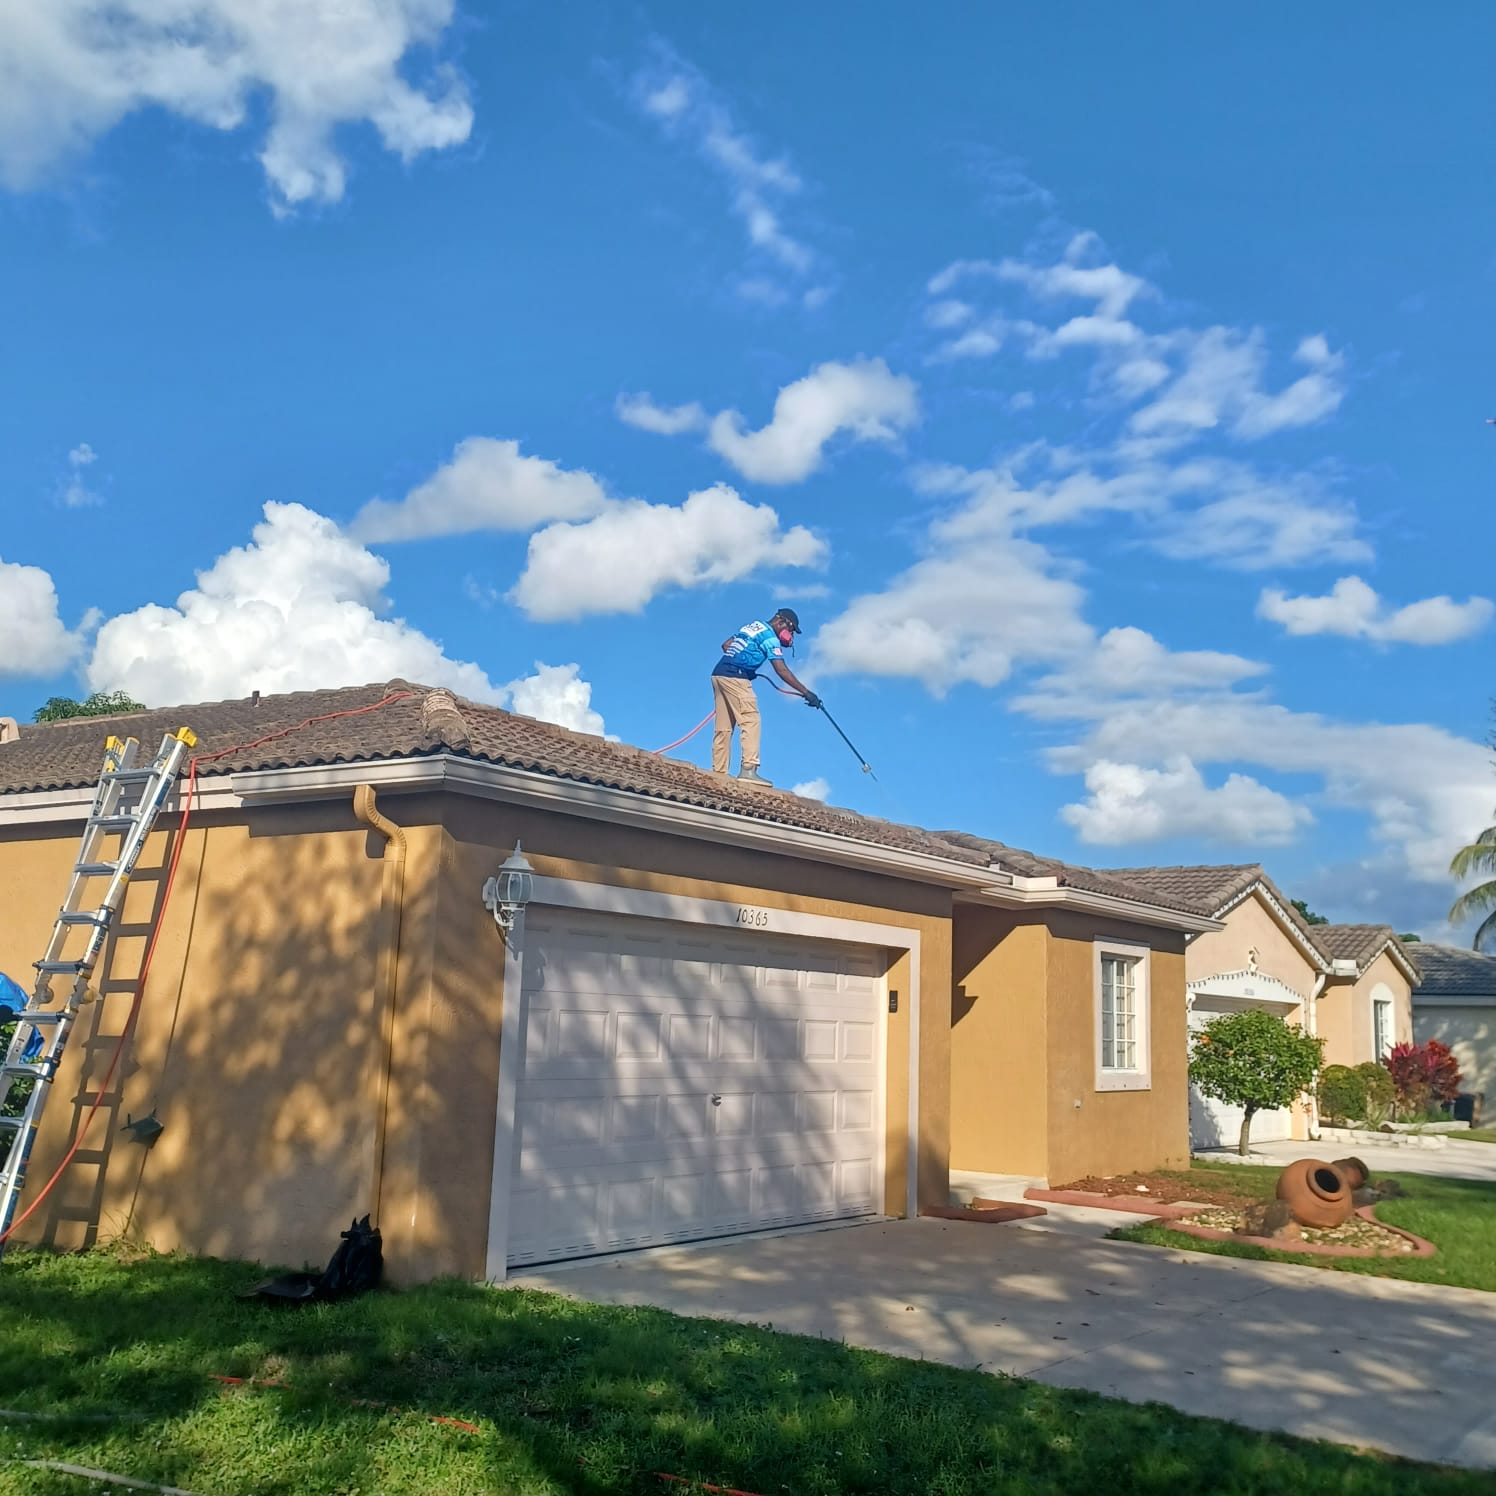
{"x": 756, "y": 918}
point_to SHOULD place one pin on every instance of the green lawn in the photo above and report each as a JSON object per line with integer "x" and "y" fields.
{"x": 1457, "y": 1215}
{"x": 1475, "y": 1135}
{"x": 568, "y": 1398}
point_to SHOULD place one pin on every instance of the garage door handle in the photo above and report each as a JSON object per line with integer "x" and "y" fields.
{"x": 716, "y": 1101}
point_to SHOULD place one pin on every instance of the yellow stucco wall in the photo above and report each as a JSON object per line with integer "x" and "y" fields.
{"x": 1345, "y": 1011}
{"x": 258, "y": 1039}
{"x": 1250, "y": 926}
{"x": 1024, "y": 1055}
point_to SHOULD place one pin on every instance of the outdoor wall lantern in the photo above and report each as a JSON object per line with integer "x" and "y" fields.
{"x": 507, "y": 893}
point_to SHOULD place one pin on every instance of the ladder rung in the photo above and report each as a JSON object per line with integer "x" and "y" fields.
{"x": 70, "y": 917}
{"x": 60, "y": 968}
{"x": 25, "y": 1068}
{"x": 36, "y": 1017}
{"x": 112, "y": 823}
{"x": 15, "y": 1124}
{"x": 96, "y": 869}
{"x": 128, "y": 776}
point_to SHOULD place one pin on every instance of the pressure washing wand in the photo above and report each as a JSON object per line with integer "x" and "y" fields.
{"x": 867, "y": 768}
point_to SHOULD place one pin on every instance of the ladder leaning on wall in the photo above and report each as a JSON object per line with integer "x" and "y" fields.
{"x": 128, "y": 799}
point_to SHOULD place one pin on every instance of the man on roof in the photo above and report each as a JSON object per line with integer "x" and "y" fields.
{"x": 753, "y": 645}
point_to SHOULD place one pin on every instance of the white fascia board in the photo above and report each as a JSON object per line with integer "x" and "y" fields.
{"x": 464, "y": 776}
{"x": 1342, "y": 968}
{"x": 40, "y": 807}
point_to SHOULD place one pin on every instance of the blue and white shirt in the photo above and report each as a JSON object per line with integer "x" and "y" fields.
{"x": 753, "y": 645}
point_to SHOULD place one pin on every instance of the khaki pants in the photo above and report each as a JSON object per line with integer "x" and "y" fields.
{"x": 737, "y": 706}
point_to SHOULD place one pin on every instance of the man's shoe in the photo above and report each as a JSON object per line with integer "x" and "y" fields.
{"x": 752, "y": 776}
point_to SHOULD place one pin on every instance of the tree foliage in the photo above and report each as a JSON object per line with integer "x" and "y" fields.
{"x": 1310, "y": 917}
{"x": 1423, "y": 1075}
{"x": 1478, "y": 860}
{"x": 100, "y": 704}
{"x": 1342, "y": 1094}
{"x": 1254, "y": 1060}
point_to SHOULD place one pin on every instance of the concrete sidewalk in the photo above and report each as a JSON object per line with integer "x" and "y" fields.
{"x": 1407, "y": 1368}
{"x": 1456, "y": 1161}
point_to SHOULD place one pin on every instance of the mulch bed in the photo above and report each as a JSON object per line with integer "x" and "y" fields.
{"x": 1159, "y": 1187}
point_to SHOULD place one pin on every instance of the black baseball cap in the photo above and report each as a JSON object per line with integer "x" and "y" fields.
{"x": 790, "y": 617}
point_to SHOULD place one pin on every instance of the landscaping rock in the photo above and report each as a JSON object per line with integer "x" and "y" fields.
{"x": 1270, "y": 1218}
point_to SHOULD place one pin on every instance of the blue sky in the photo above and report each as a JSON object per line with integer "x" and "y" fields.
{"x": 1106, "y": 388}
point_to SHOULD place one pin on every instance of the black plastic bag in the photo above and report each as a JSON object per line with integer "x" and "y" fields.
{"x": 355, "y": 1267}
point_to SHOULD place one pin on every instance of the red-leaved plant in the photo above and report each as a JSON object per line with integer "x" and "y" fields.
{"x": 1423, "y": 1075}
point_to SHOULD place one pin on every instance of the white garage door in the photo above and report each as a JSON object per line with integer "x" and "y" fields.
{"x": 681, "y": 1082}
{"x": 1213, "y": 1124}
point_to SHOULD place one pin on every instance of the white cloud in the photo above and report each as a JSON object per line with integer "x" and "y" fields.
{"x": 1353, "y": 610}
{"x": 690, "y": 110}
{"x": 1128, "y": 661}
{"x": 71, "y": 70}
{"x": 1128, "y": 803}
{"x": 1221, "y": 384}
{"x": 556, "y": 693}
{"x": 968, "y": 613}
{"x": 813, "y": 789}
{"x": 76, "y": 494}
{"x": 1424, "y": 790}
{"x": 488, "y": 485}
{"x": 33, "y": 639}
{"x": 298, "y": 608}
{"x": 619, "y": 560}
{"x": 862, "y": 398}
{"x": 665, "y": 420}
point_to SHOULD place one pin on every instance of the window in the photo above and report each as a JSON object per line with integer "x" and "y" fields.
{"x": 1381, "y": 1028}
{"x": 1122, "y": 1054}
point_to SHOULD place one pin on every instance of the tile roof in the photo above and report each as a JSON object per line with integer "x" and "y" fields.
{"x": 1358, "y": 943}
{"x": 1211, "y": 888}
{"x": 63, "y": 755}
{"x": 1453, "y": 971}
{"x": 1115, "y": 883}
{"x": 1205, "y": 888}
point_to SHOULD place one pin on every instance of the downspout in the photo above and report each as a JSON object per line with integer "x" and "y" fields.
{"x": 392, "y": 903}
{"x": 1313, "y": 1016}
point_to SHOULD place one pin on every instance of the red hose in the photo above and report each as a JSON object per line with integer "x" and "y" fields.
{"x": 145, "y": 966}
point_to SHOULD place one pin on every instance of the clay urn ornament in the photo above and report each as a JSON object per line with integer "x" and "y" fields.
{"x": 1316, "y": 1192}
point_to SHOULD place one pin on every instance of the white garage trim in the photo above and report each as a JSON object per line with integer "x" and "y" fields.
{"x": 607, "y": 898}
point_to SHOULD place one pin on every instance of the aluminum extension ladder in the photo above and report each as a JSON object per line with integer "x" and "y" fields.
{"x": 128, "y": 799}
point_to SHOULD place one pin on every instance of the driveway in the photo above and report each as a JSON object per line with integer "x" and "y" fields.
{"x": 1408, "y": 1368}
{"x": 1456, "y": 1160}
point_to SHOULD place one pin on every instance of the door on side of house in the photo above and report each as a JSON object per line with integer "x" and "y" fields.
{"x": 683, "y": 1081}
{"x": 1214, "y": 1124}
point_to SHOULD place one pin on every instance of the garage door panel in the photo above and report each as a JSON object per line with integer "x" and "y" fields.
{"x": 677, "y": 1085}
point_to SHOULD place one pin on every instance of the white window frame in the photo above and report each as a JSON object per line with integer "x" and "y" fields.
{"x": 1140, "y": 1077}
{"x": 1379, "y": 1006}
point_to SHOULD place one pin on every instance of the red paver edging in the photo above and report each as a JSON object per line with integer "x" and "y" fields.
{"x": 1422, "y": 1248}
{"x": 1170, "y": 1215}
{"x": 1131, "y": 1204}
{"x": 994, "y": 1212}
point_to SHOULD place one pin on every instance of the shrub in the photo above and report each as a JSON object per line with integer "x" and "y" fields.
{"x": 1254, "y": 1060}
{"x": 1423, "y": 1075}
{"x": 1342, "y": 1093}
{"x": 1381, "y": 1094}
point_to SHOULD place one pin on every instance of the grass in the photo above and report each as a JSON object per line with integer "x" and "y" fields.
{"x": 568, "y": 1398}
{"x": 1457, "y": 1215}
{"x": 1475, "y": 1135}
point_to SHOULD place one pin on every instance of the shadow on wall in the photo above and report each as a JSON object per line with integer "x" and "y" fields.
{"x": 254, "y": 1047}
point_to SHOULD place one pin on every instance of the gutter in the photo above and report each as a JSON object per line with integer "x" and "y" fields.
{"x": 386, "y": 985}
{"x": 466, "y": 776}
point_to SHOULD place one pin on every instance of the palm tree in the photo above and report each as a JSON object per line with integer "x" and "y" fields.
{"x": 1478, "y": 858}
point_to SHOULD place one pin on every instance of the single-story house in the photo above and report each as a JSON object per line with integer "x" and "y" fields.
{"x": 1455, "y": 1002}
{"x": 721, "y": 1008}
{"x": 1367, "y": 1004}
{"x": 1264, "y": 955}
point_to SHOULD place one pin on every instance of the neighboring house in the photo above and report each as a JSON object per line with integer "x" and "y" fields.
{"x": 1456, "y": 1003}
{"x": 725, "y": 1008}
{"x": 1367, "y": 1004}
{"x": 1264, "y": 956}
